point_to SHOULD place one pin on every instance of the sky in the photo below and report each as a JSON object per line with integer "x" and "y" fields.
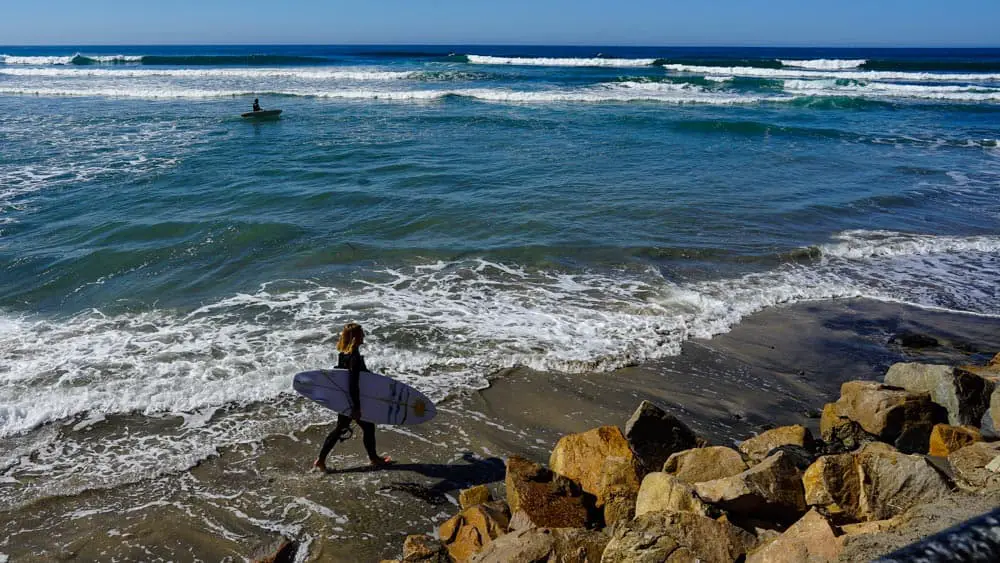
{"x": 912, "y": 23}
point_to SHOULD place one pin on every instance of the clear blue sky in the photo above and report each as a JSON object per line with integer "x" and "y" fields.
{"x": 577, "y": 22}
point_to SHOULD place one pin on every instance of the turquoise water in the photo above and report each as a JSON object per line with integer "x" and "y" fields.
{"x": 474, "y": 207}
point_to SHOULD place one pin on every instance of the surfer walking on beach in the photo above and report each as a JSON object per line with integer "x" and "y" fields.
{"x": 350, "y": 358}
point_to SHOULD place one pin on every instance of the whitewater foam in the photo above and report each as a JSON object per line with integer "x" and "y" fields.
{"x": 873, "y": 75}
{"x": 825, "y": 64}
{"x": 551, "y": 61}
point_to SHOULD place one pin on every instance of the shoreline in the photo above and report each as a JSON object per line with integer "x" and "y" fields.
{"x": 776, "y": 367}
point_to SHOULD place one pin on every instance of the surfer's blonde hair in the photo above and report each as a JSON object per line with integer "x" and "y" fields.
{"x": 350, "y": 338}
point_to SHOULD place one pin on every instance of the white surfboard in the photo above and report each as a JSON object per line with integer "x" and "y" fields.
{"x": 383, "y": 399}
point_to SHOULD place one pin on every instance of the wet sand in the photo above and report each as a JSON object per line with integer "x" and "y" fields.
{"x": 777, "y": 367}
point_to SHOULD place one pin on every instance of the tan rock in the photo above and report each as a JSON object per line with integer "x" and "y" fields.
{"x": 993, "y": 415}
{"x": 557, "y": 545}
{"x": 771, "y": 488}
{"x": 676, "y": 536}
{"x": 280, "y": 550}
{"x": 810, "y": 539}
{"x": 705, "y": 464}
{"x": 892, "y": 482}
{"x": 946, "y": 439}
{"x": 832, "y": 479}
{"x": 841, "y": 430}
{"x": 662, "y": 491}
{"x": 619, "y": 505}
{"x": 423, "y": 549}
{"x": 618, "y": 474}
{"x": 547, "y": 500}
{"x": 581, "y": 457}
{"x": 471, "y": 529}
{"x": 894, "y": 415}
{"x": 970, "y": 464}
{"x": 758, "y": 447}
{"x": 473, "y": 496}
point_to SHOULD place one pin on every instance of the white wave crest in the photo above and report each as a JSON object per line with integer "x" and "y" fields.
{"x": 825, "y": 64}
{"x": 65, "y": 60}
{"x": 254, "y": 74}
{"x": 890, "y": 90}
{"x": 570, "y": 62}
{"x": 862, "y": 244}
{"x": 872, "y": 75}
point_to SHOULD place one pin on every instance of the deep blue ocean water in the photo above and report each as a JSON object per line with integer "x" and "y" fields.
{"x": 474, "y": 207}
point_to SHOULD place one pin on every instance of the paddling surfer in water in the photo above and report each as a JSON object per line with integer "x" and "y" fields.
{"x": 350, "y": 358}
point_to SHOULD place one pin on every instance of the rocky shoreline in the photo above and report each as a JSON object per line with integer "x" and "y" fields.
{"x": 655, "y": 491}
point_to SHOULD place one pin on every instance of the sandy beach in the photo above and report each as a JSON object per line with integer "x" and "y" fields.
{"x": 777, "y": 367}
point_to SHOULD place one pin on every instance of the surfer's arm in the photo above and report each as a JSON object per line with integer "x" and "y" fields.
{"x": 354, "y": 367}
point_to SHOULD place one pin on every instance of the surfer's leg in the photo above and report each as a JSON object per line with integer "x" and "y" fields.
{"x": 368, "y": 429}
{"x": 343, "y": 423}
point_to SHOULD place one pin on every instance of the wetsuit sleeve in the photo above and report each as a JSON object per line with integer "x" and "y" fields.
{"x": 355, "y": 364}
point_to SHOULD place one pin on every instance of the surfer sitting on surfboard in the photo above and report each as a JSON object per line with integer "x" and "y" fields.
{"x": 256, "y": 105}
{"x": 350, "y": 358}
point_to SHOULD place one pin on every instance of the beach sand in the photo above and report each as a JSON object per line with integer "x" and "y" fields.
{"x": 776, "y": 367}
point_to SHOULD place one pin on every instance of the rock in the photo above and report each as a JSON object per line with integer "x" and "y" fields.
{"x": 810, "y": 539}
{"x": 420, "y": 548}
{"x": 832, "y": 480}
{"x": 520, "y": 521}
{"x": 772, "y": 488}
{"x": 560, "y": 545}
{"x": 892, "y": 482}
{"x": 618, "y": 474}
{"x": 889, "y": 412}
{"x": 281, "y": 550}
{"x": 546, "y": 499}
{"x": 840, "y": 433}
{"x": 758, "y": 447}
{"x": 676, "y": 536}
{"x": 581, "y": 457}
{"x": 662, "y": 491}
{"x": 946, "y": 439}
{"x": 705, "y": 464}
{"x": 970, "y": 464}
{"x": 473, "y": 496}
{"x": 963, "y": 393}
{"x": 994, "y": 412}
{"x": 655, "y": 434}
{"x": 909, "y": 339}
{"x": 619, "y": 505}
{"x": 471, "y": 529}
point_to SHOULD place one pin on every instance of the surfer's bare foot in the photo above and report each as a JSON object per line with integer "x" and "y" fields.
{"x": 381, "y": 461}
{"x": 320, "y": 466}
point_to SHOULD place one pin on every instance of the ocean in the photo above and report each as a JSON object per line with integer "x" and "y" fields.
{"x": 565, "y": 209}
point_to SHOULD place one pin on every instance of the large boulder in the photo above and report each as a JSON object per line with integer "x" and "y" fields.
{"x": 705, "y": 464}
{"x": 973, "y": 464}
{"x": 280, "y": 550}
{"x": 875, "y": 483}
{"x": 964, "y": 393}
{"x": 655, "y": 434}
{"x": 619, "y": 488}
{"x": 892, "y": 481}
{"x": 547, "y": 500}
{"x": 893, "y": 414}
{"x": 758, "y": 447}
{"x": 946, "y": 438}
{"x": 558, "y": 545}
{"x": 770, "y": 489}
{"x": 581, "y": 457}
{"x": 470, "y": 530}
{"x": 676, "y": 536}
{"x": 662, "y": 491}
{"x": 810, "y": 539}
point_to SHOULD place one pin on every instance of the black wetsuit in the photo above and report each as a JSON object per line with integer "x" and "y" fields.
{"x": 355, "y": 363}
{"x": 256, "y": 106}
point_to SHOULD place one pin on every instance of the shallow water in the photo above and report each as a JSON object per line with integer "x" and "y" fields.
{"x": 546, "y": 207}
